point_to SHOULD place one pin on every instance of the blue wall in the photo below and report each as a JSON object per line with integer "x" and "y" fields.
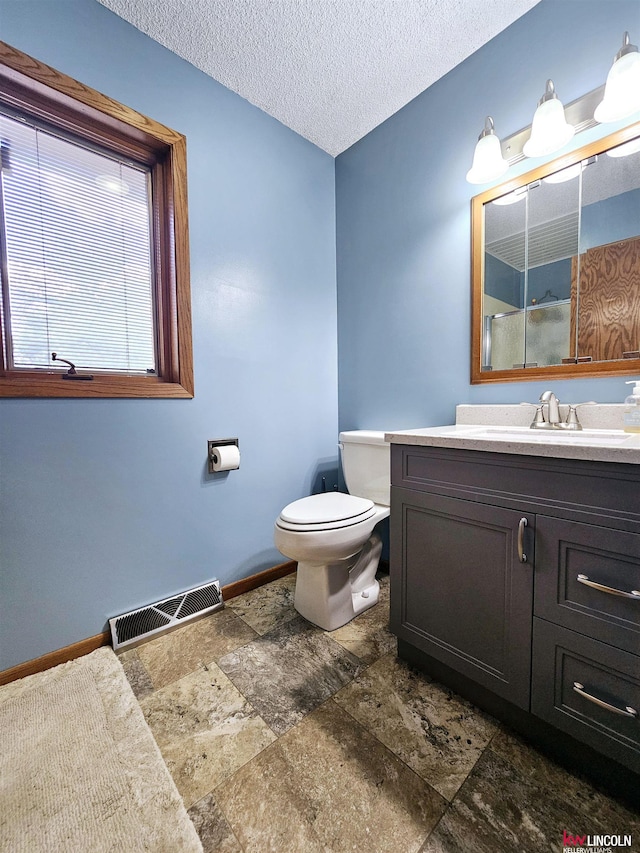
{"x": 503, "y": 281}
{"x": 613, "y": 219}
{"x": 507, "y": 283}
{"x": 106, "y": 504}
{"x": 403, "y": 219}
{"x": 554, "y": 277}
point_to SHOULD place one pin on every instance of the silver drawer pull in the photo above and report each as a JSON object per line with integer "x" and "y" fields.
{"x": 521, "y": 526}
{"x": 624, "y": 712}
{"x": 635, "y": 593}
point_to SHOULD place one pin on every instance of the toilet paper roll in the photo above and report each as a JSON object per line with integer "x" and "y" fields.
{"x": 225, "y": 458}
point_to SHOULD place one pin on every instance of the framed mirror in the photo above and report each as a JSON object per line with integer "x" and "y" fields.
{"x": 556, "y": 267}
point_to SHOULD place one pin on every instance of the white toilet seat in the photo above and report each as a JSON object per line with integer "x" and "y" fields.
{"x": 328, "y": 511}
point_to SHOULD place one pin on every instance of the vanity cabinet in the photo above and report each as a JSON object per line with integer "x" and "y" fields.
{"x": 517, "y": 573}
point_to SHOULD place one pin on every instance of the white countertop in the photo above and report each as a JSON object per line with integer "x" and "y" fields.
{"x": 505, "y": 433}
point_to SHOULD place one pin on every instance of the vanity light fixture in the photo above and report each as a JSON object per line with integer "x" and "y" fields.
{"x": 553, "y": 125}
{"x": 488, "y": 162}
{"x": 549, "y": 129}
{"x": 622, "y": 89}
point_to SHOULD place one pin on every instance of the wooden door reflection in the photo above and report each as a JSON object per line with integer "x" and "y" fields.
{"x": 607, "y": 306}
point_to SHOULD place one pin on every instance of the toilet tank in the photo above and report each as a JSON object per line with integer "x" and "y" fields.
{"x": 366, "y": 460}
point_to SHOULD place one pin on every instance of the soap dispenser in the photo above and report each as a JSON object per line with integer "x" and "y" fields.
{"x": 632, "y": 408}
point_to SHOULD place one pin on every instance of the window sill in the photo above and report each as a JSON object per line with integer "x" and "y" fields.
{"x": 18, "y": 384}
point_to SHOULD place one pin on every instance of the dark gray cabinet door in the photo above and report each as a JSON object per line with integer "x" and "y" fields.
{"x": 459, "y": 589}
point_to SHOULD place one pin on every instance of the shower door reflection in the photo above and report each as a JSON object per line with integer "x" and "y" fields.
{"x": 545, "y": 329}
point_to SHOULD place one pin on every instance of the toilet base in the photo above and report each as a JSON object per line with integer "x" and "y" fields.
{"x": 332, "y": 594}
{"x": 367, "y": 598}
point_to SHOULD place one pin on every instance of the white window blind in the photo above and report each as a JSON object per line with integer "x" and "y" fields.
{"x": 78, "y": 266}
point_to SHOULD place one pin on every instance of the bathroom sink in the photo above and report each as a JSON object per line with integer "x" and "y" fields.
{"x": 553, "y": 436}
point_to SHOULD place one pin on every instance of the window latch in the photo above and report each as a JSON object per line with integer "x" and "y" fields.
{"x": 72, "y": 373}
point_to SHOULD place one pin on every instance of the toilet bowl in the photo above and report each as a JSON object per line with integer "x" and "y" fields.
{"x": 331, "y": 535}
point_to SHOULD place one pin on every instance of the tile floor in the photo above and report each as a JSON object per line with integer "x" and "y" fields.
{"x": 282, "y": 737}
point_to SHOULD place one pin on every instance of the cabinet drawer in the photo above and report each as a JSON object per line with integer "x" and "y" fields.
{"x": 523, "y": 482}
{"x": 570, "y": 558}
{"x": 569, "y": 672}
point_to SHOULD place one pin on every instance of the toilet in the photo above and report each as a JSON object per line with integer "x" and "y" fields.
{"x": 331, "y": 535}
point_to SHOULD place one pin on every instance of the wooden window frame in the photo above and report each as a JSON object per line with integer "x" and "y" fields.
{"x": 31, "y": 87}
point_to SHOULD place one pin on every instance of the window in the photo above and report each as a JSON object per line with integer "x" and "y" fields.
{"x": 78, "y": 261}
{"x": 93, "y": 243}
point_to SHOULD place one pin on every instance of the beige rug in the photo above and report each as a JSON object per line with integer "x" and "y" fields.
{"x": 79, "y": 768}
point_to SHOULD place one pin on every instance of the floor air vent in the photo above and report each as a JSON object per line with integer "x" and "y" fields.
{"x": 132, "y": 628}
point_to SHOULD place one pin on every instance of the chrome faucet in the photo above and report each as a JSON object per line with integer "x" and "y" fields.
{"x": 553, "y": 419}
{"x": 548, "y": 415}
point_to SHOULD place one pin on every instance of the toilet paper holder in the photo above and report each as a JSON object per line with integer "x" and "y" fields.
{"x": 218, "y": 442}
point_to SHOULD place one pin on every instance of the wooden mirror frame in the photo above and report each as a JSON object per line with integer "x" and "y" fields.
{"x": 556, "y": 371}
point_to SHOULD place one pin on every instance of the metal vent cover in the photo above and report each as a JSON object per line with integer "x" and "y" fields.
{"x": 130, "y": 629}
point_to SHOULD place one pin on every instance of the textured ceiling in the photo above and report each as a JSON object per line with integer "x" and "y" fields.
{"x": 331, "y": 70}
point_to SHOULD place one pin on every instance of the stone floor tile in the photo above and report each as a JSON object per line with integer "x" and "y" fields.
{"x": 572, "y": 788}
{"x": 171, "y": 656}
{"x": 356, "y": 771}
{"x": 288, "y": 672}
{"x": 327, "y": 785}
{"x": 438, "y": 734}
{"x": 136, "y": 673}
{"x": 368, "y": 635}
{"x": 268, "y": 606}
{"x": 211, "y": 825}
{"x": 205, "y": 729}
{"x": 499, "y": 809}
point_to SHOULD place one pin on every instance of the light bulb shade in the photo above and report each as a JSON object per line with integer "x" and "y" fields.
{"x": 622, "y": 89}
{"x": 626, "y": 149}
{"x": 549, "y": 129}
{"x": 511, "y": 198}
{"x": 488, "y": 162}
{"x": 567, "y": 174}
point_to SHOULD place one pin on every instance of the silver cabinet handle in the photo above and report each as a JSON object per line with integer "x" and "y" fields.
{"x": 635, "y": 593}
{"x": 624, "y": 712}
{"x": 521, "y": 526}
